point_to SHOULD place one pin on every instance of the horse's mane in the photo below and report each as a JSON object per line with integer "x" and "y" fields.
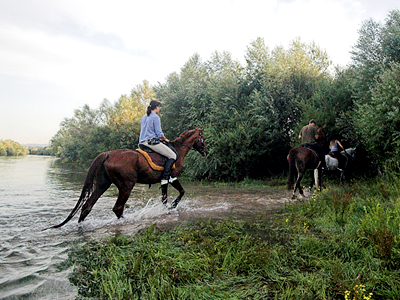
{"x": 185, "y": 135}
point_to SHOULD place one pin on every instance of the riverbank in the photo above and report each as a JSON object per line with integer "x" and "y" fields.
{"x": 341, "y": 244}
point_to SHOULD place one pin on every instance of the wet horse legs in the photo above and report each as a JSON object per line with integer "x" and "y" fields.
{"x": 123, "y": 196}
{"x": 164, "y": 189}
{"x": 96, "y": 194}
{"x": 177, "y": 185}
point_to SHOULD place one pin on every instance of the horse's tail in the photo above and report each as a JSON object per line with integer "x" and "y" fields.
{"x": 87, "y": 187}
{"x": 292, "y": 168}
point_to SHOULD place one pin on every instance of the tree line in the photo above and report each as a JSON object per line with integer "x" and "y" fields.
{"x": 252, "y": 112}
{"x": 11, "y": 148}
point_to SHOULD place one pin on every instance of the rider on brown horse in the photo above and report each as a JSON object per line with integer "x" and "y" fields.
{"x": 151, "y": 136}
{"x": 309, "y": 135}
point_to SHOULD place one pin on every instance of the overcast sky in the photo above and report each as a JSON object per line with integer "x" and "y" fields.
{"x": 56, "y": 56}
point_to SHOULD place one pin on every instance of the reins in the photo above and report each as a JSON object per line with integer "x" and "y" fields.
{"x": 181, "y": 144}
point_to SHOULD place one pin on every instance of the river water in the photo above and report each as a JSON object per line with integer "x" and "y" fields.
{"x": 37, "y": 192}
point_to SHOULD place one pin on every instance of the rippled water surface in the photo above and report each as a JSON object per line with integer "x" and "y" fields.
{"x": 36, "y": 192}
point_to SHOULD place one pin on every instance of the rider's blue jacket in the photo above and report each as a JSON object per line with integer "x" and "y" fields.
{"x": 150, "y": 127}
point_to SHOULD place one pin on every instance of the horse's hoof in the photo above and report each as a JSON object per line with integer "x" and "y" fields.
{"x": 174, "y": 204}
{"x": 294, "y": 196}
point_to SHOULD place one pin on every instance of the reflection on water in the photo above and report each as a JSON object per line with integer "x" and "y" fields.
{"x": 29, "y": 258}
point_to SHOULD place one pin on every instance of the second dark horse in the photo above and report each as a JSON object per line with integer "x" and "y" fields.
{"x": 302, "y": 159}
{"x": 125, "y": 168}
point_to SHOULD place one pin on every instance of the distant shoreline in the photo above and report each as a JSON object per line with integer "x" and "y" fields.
{"x": 36, "y": 145}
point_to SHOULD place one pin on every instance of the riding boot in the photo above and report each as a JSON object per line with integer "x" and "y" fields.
{"x": 167, "y": 171}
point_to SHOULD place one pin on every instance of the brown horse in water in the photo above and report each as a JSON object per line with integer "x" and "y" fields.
{"x": 125, "y": 168}
{"x": 302, "y": 159}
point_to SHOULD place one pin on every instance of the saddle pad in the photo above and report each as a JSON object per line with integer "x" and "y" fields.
{"x": 155, "y": 160}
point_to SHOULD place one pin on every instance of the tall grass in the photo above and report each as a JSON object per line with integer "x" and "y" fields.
{"x": 341, "y": 244}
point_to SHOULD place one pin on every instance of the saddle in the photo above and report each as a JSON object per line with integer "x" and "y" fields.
{"x": 155, "y": 160}
{"x": 309, "y": 147}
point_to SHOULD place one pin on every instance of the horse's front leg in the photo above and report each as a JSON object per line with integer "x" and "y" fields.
{"x": 177, "y": 185}
{"x": 312, "y": 182}
{"x": 342, "y": 177}
{"x": 342, "y": 174}
{"x": 164, "y": 193}
{"x": 319, "y": 173}
{"x": 317, "y": 178}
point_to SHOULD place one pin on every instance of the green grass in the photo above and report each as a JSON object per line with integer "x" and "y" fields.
{"x": 343, "y": 242}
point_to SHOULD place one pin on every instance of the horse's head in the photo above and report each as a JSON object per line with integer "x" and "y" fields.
{"x": 321, "y": 135}
{"x": 200, "y": 143}
{"x": 192, "y": 139}
{"x": 350, "y": 152}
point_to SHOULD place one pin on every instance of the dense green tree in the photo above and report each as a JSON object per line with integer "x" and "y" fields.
{"x": 92, "y": 131}
{"x": 375, "y": 68}
{"x": 11, "y": 148}
{"x": 184, "y": 97}
{"x": 379, "y": 119}
{"x": 390, "y": 38}
{"x": 249, "y": 112}
{"x": 41, "y": 150}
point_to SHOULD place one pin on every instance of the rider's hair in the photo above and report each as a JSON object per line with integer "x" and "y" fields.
{"x": 153, "y": 105}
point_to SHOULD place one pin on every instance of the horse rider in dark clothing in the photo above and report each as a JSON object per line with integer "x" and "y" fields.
{"x": 309, "y": 135}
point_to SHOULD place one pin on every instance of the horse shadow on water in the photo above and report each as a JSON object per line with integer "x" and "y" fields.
{"x": 126, "y": 167}
{"x": 302, "y": 159}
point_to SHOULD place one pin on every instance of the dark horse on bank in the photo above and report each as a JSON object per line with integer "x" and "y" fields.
{"x": 125, "y": 168}
{"x": 302, "y": 159}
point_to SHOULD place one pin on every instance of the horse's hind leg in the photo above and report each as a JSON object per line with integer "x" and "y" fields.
{"x": 123, "y": 196}
{"x": 177, "y": 185}
{"x": 99, "y": 189}
{"x": 297, "y": 185}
